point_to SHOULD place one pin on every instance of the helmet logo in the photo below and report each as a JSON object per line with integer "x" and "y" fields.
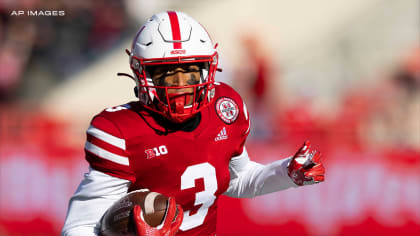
{"x": 227, "y": 110}
{"x": 179, "y": 51}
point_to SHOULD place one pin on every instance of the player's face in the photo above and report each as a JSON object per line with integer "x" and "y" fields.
{"x": 177, "y": 76}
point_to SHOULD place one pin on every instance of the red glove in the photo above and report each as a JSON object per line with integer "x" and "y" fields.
{"x": 169, "y": 227}
{"x": 306, "y": 167}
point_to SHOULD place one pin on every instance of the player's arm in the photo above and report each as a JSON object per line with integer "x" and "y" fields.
{"x": 250, "y": 179}
{"x": 108, "y": 179}
{"x": 95, "y": 194}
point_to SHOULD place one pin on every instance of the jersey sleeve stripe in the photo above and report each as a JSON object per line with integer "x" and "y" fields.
{"x": 105, "y": 154}
{"x": 110, "y": 168}
{"x": 108, "y": 138}
{"x": 106, "y": 146}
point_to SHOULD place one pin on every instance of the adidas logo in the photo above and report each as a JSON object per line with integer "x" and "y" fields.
{"x": 222, "y": 135}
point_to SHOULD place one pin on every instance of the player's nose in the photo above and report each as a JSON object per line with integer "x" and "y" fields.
{"x": 180, "y": 78}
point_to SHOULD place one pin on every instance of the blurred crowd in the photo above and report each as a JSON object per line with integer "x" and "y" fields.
{"x": 378, "y": 114}
{"x": 37, "y": 52}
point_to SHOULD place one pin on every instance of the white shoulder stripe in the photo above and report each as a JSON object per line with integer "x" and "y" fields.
{"x": 106, "y": 155}
{"x": 108, "y": 138}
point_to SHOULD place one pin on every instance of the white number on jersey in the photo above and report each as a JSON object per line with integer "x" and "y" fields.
{"x": 206, "y": 197}
{"x": 161, "y": 151}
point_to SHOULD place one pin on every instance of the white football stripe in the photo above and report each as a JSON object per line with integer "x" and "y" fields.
{"x": 149, "y": 203}
{"x": 111, "y": 139}
{"x": 106, "y": 155}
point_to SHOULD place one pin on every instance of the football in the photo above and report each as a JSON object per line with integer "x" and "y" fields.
{"x": 118, "y": 219}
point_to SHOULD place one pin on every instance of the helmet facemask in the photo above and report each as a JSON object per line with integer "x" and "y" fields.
{"x": 176, "y": 103}
{"x": 173, "y": 39}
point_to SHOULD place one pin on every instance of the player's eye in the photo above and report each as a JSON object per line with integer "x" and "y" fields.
{"x": 193, "y": 80}
{"x": 158, "y": 73}
{"x": 193, "y": 68}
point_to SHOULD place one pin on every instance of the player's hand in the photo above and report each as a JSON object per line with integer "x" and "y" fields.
{"x": 306, "y": 167}
{"x": 170, "y": 225}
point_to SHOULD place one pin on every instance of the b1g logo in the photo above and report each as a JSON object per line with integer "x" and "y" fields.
{"x": 156, "y": 151}
{"x": 227, "y": 110}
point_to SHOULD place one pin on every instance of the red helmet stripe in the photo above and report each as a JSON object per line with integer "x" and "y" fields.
{"x": 176, "y": 31}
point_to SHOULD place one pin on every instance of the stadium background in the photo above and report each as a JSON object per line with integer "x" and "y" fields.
{"x": 344, "y": 74}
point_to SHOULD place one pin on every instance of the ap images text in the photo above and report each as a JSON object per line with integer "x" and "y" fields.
{"x": 38, "y": 13}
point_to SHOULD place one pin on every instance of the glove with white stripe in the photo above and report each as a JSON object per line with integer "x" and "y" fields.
{"x": 306, "y": 167}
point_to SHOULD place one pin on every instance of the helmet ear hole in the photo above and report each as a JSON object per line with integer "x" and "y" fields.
{"x": 135, "y": 64}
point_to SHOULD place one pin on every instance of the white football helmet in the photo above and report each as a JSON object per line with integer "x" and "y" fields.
{"x": 173, "y": 38}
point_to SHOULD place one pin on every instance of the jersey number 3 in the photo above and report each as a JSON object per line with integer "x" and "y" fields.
{"x": 206, "y": 197}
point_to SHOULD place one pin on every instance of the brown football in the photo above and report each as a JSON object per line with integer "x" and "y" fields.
{"x": 118, "y": 219}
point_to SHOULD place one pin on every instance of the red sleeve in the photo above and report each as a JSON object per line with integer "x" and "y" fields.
{"x": 105, "y": 149}
{"x": 246, "y": 127}
{"x": 243, "y": 128}
{"x": 242, "y": 122}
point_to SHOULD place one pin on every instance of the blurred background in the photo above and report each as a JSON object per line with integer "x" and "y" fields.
{"x": 343, "y": 74}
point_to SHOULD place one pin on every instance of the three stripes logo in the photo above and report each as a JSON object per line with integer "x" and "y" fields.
{"x": 222, "y": 135}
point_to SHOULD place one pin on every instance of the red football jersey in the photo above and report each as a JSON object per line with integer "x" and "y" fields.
{"x": 126, "y": 142}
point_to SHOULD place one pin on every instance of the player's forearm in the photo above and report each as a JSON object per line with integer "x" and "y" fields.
{"x": 84, "y": 214}
{"x": 274, "y": 177}
{"x": 250, "y": 179}
{"x": 93, "y": 197}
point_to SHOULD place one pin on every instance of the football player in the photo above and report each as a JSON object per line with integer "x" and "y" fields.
{"x": 184, "y": 137}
